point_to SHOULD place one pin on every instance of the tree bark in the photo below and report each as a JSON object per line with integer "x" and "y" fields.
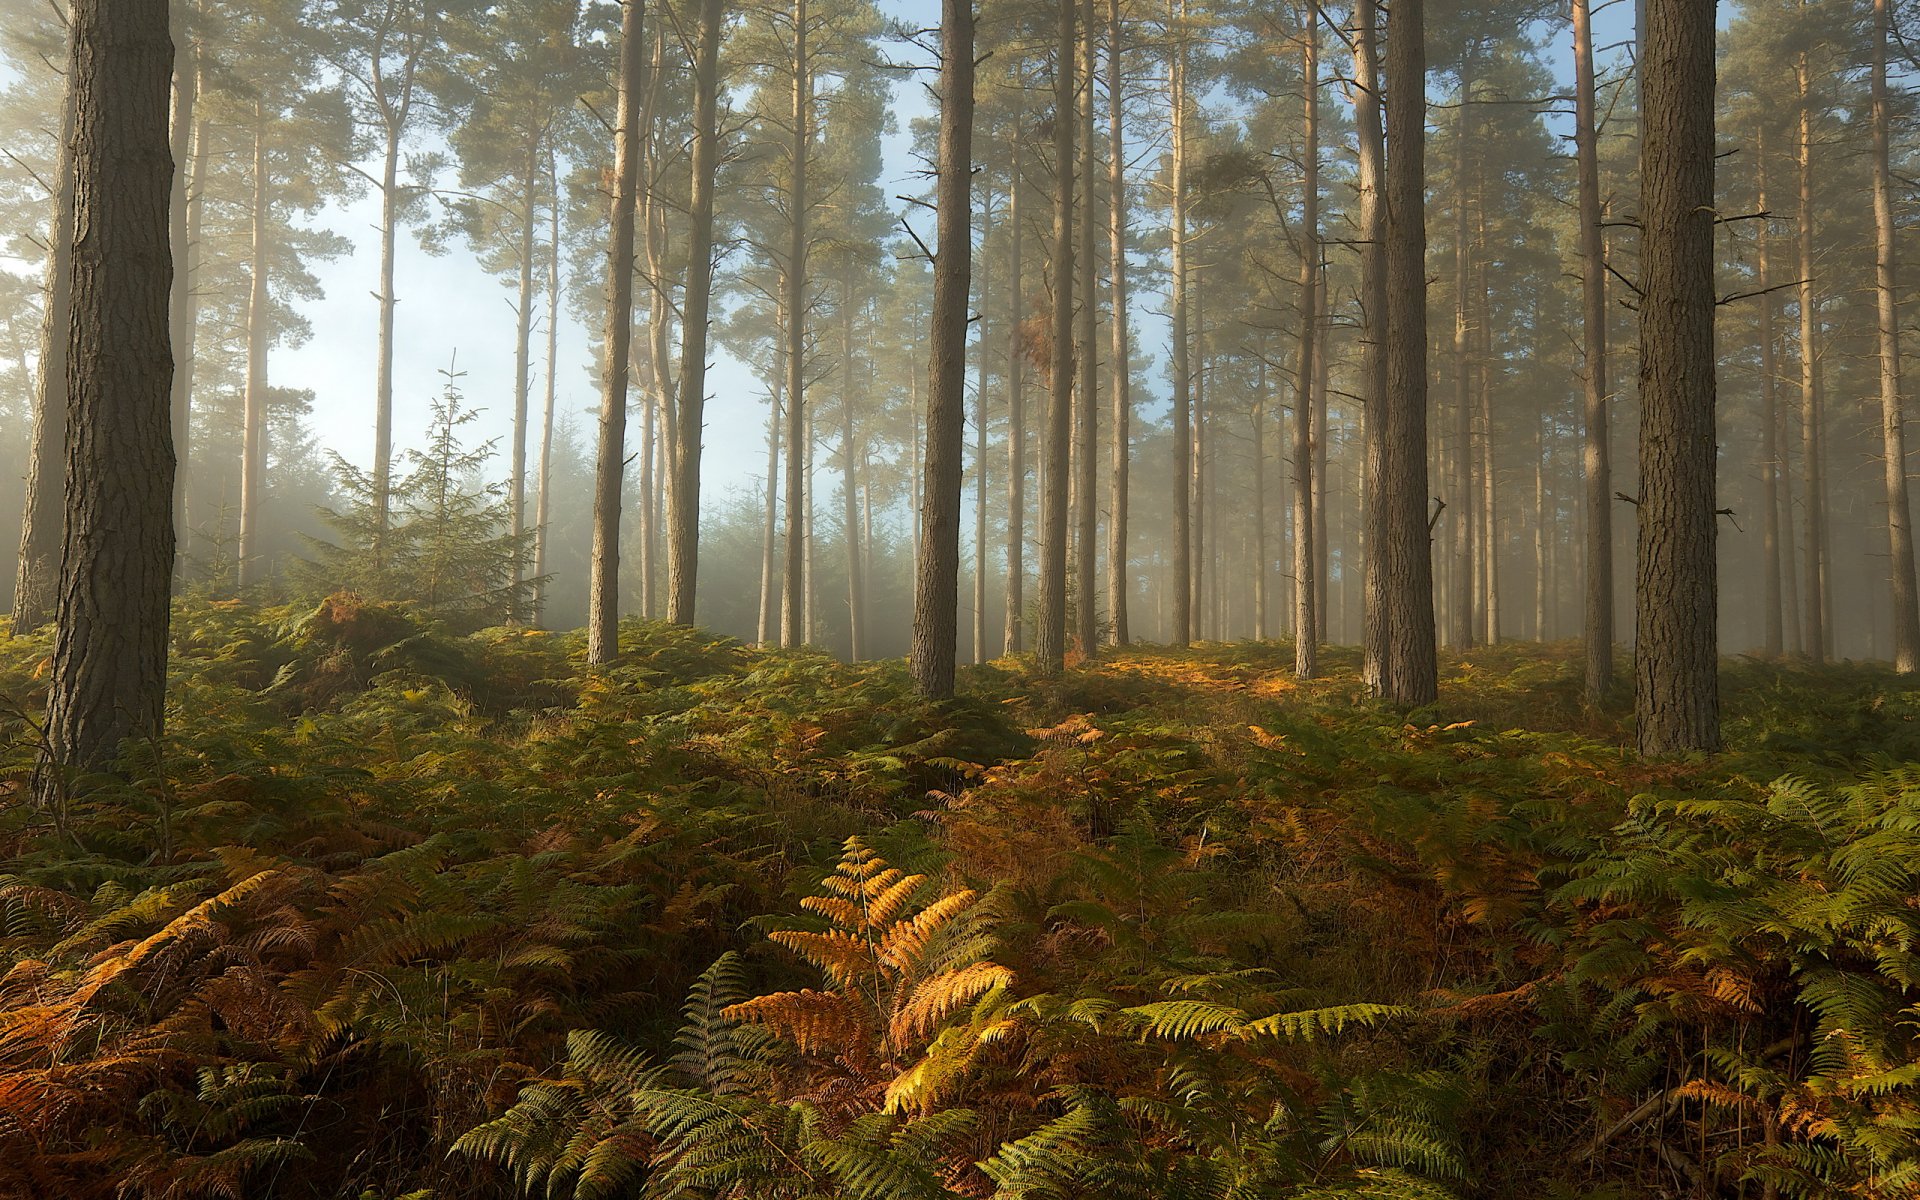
{"x": 794, "y": 327}
{"x": 603, "y": 595}
{"x": 1087, "y": 373}
{"x": 849, "y": 482}
{"x": 1016, "y": 392}
{"x": 1050, "y": 640}
{"x": 1409, "y": 672}
{"x": 543, "y": 504}
{"x": 44, "y": 514}
{"x": 1119, "y": 577}
{"x": 980, "y": 446}
{"x": 1893, "y": 422}
{"x": 683, "y": 498}
{"x": 1306, "y": 591}
{"x": 523, "y": 378}
{"x": 936, "y": 573}
{"x": 1677, "y": 642}
{"x": 1596, "y": 443}
{"x": 1182, "y": 633}
{"x": 253, "y": 423}
{"x": 1813, "y": 476}
{"x": 770, "y": 529}
{"x": 1371, "y": 186}
{"x": 108, "y": 678}
{"x": 1460, "y": 605}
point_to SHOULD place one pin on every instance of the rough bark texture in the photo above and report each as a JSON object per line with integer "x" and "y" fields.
{"x": 1813, "y": 453}
{"x": 603, "y": 591}
{"x": 1016, "y": 395}
{"x": 1462, "y": 562}
{"x": 794, "y": 303}
{"x": 980, "y": 446}
{"x": 1182, "y": 582}
{"x": 43, "y": 514}
{"x": 1050, "y": 639}
{"x": 253, "y": 420}
{"x": 683, "y": 497}
{"x": 936, "y": 577}
{"x": 1596, "y": 464}
{"x": 1119, "y": 577}
{"x": 1893, "y": 424}
{"x": 108, "y": 679}
{"x": 1086, "y": 408}
{"x": 543, "y": 504}
{"x": 1677, "y": 643}
{"x": 1409, "y": 673}
{"x": 1371, "y": 186}
{"x": 1306, "y": 591}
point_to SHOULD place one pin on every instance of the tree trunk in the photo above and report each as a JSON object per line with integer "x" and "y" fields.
{"x": 1321, "y": 544}
{"x": 1677, "y": 642}
{"x": 1812, "y": 452}
{"x": 523, "y": 378}
{"x": 1087, "y": 374}
{"x": 1119, "y": 577}
{"x": 794, "y": 327}
{"x": 980, "y": 448}
{"x": 1181, "y": 349}
{"x": 383, "y": 368}
{"x": 1489, "y": 476}
{"x": 1050, "y": 640}
{"x": 603, "y": 595}
{"x": 849, "y": 483}
{"x": 1016, "y": 392}
{"x": 770, "y": 527}
{"x": 1306, "y": 591}
{"x": 683, "y": 497}
{"x": 1893, "y": 422}
{"x": 1774, "y": 642}
{"x": 543, "y": 505}
{"x": 183, "y": 310}
{"x": 1409, "y": 672}
{"x": 658, "y": 405}
{"x": 937, "y": 571}
{"x": 108, "y": 679}
{"x": 1460, "y": 606}
{"x": 1371, "y": 185}
{"x": 44, "y": 514}
{"x": 253, "y": 424}
{"x": 1597, "y": 622}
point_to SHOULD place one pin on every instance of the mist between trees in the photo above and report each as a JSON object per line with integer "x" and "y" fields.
{"x": 1138, "y": 392}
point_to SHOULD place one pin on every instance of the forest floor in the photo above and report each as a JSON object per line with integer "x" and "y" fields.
{"x": 400, "y": 912}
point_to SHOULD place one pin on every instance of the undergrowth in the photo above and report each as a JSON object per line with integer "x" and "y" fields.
{"x": 395, "y": 911}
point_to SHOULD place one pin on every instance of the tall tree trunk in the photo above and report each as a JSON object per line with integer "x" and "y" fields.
{"x": 849, "y": 482}
{"x": 1016, "y": 391}
{"x": 1182, "y": 350}
{"x": 658, "y": 405}
{"x": 1087, "y": 375}
{"x": 108, "y": 678}
{"x": 1119, "y": 577}
{"x": 1050, "y": 639}
{"x": 980, "y": 447}
{"x": 1540, "y": 524}
{"x": 1197, "y": 481}
{"x": 1677, "y": 643}
{"x": 1409, "y": 672}
{"x": 794, "y": 328}
{"x": 543, "y": 504}
{"x": 937, "y": 572}
{"x": 1321, "y": 544}
{"x": 1812, "y": 454}
{"x": 1489, "y": 475}
{"x": 1789, "y": 560}
{"x": 253, "y": 423}
{"x": 1893, "y": 422}
{"x": 1306, "y": 590}
{"x": 1371, "y": 186}
{"x": 1460, "y": 606}
{"x": 683, "y": 497}
{"x": 1774, "y": 642}
{"x": 43, "y": 516}
{"x": 182, "y": 310}
{"x": 603, "y": 595}
{"x": 1596, "y": 465}
{"x": 523, "y": 377}
{"x": 383, "y": 368}
{"x": 770, "y": 527}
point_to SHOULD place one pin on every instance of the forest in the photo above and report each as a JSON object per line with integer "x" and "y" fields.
{"x": 961, "y": 600}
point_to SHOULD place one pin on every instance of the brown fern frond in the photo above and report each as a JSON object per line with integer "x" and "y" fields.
{"x": 887, "y": 903}
{"x": 816, "y": 1022}
{"x": 845, "y": 957}
{"x": 938, "y": 998}
{"x": 904, "y": 944}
